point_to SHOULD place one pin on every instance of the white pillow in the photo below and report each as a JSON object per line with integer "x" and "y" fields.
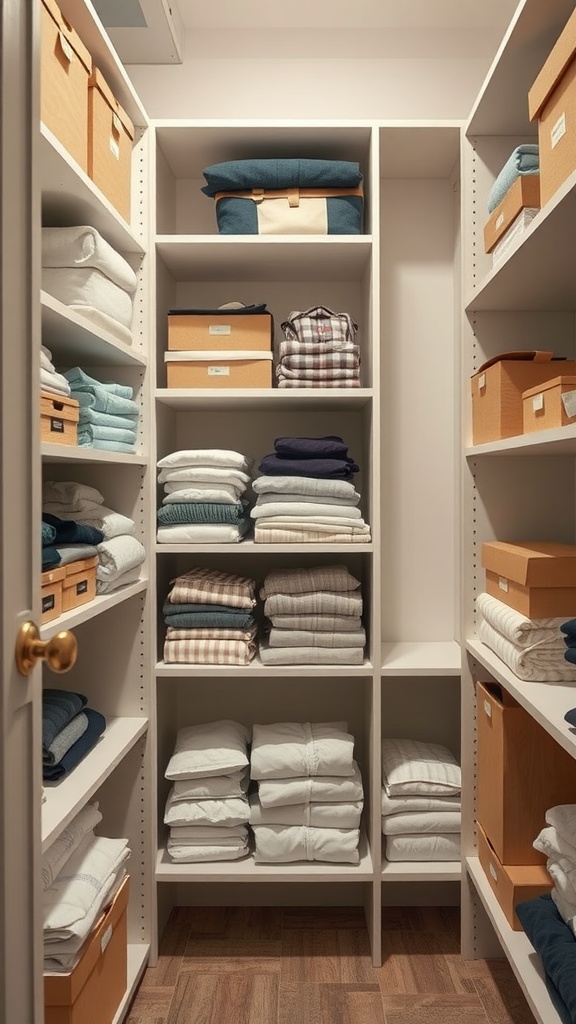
{"x": 216, "y": 748}
{"x": 206, "y": 457}
{"x": 414, "y": 767}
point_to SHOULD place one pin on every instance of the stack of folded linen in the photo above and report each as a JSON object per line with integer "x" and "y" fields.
{"x": 310, "y": 795}
{"x": 558, "y": 843}
{"x": 82, "y": 270}
{"x": 315, "y": 616}
{"x": 301, "y": 497}
{"x": 207, "y": 809}
{"x": 50, "y": 379}
{"x": 69, "y": 731}
{"x": 210, "y": 619}
{"x": 205, "y": 497}
{"x": 120, "y": 554}
{"x": 421, "y": 785}
{"x": 81, "y": 874}
{"x": 71, "y": 541}
{"x": 319, "y": 351}
{"x": 532, "y": 648}
{"x": 108, "y": 417}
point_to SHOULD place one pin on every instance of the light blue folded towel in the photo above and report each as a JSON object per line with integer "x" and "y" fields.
{"x": 104, "y": 419}
{"x": 102, "y": 401}
{"x": 110, "y": 446}
{"x": 81, "y": 381}
{"x": 524, "y": 160}
{"x": 92, "y": 432}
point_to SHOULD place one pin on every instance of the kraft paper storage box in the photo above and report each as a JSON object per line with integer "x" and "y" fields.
{"x": 498, "y": 386}
{"x": 92, "y": 992}
{"x": 524, "y": 194}
{"x": 51, "y": 593}
{"x": 552, "y": 99}
{"x": 511, "y": 884}
{"x": 537, "y": 578}
{"x": 65, "y": 67}
{"x": 209, "y": 332}
{"x": 218, "y": 369}
{"x": 543, "y": 407}
{"x": 58, "y": 419}
{"x": 79, "y": 583}
{"x": 110, "y": 138}
{"x": 521, "y": 772}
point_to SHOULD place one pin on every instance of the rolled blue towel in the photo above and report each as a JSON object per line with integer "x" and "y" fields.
{"x": 101, "y": 400}
{"x": 105, "y": 419}
{"x": 79, "y": 380}
{"x": 524, "y": 160}
{"x": 92, "y": 432}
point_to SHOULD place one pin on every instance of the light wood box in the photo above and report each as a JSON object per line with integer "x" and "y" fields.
{"x": 537, "y": 579}
{"x": 110, "y": 138}
{"x": 92, "y": 992}
{"x": 511, "y": 884}
{"x": 58, "y": 419}
{"x": 211, "y": 332}
{"x": 543, "y": 408}
{"x": 218, "y": 369}
{"x": 524, "y": 194}
{"x": 79, "y": 584}
{"x": 521, "y": 772}
{"x": 65, "y": 68}
{"x": 497, "y": 391}
{"x": 552, "y": 100}
{"x": 51, "y": 593}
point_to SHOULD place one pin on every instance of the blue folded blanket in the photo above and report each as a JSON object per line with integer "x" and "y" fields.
{"x": 329, "y": 447}
{"x": 71, "y": 532}
{"x": 81, "y": 381}
{"x": 92, "y": 432}
{"x": 524, "y": 160}
{"x": 58, "y": 708}
{"x": 78, "y": 750}
{"x": 555, "y": 943}
{"x": 238, "y": 175}
{"x": 202, "y": 512}
{"x": 105, "y": 419}
{"x": 102, "y": 401}
{"x": 50, "y": 557}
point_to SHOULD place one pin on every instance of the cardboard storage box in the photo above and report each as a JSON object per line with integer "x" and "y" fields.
{"x": 79, "y": 584}
{"x": 521, "y": 772}
{"x": 552, "y": 99}
{"x": 58, "y": 419}
{"x": 511, "y": 884}
{"x": 51, "y": 593}
{"x": 110, "y": 138}
{"x": 543, "y": 407}
{"x": 536, "y": 578}
{"x": 218, "y": 369}
{"x": 92, "y": 992}
{"x": 497, "y": 390}
{"x": 209, "y": 332}
{"x": 524, "y": 194}
{"x": 65, "y": 67}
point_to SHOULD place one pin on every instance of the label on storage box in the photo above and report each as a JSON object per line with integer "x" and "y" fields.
{"x": 503, "y": 584}
{"x": 488, "y": 708}
{"x": 500, "y": 221}
{"x": 56, "y": 426}
{"x": 558, "y": 131}
{"x": 81, "y": 588}
{"x": 481, "y": 381}
{"x": 493, "y": 872}
{"x": 106, "y": 938}
{"x": 114, "y": 148}
{"x": 538, "y": 403}
{"x": 220, "y": 329}
{"x": 569, "y": 403}
{"x": 218, "y": 371}
{"x": 66, "y": 48}
{"x": 48, "y": 603}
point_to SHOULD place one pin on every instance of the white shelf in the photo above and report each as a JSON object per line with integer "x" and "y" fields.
{"x": 525, "y": 962}
{"x": 137, "y": 960}
{"x": 73, "y": 339}
{"x": 440, "y": 871}
{"x": 257, "y": 670}
{"x": 402, "y": 146}
{"x": 70, "y": 197}
{"x": 558, "y": 441}
{"x": 546, "y": 702}
{"x": 421, "y": 659}
{"x": 67, "y": 796}
{"x": 88, "y": 611}
{"x": 248, "y": 547}
{"x": 73, "y": 453}
{"x": 263, "y": 399}
{"x": 265, "y": 257}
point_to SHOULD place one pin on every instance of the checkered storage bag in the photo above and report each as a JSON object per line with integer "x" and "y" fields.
{"x": 318, "y": 350}
{"x": 321, "y": 326}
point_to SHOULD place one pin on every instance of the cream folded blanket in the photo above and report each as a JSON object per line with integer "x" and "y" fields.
{"x": 409, "y": 804}
{"x": 417, "y": 822}
{"x": 220, "y": 457}
{"x": 412, "y": 767}
{"x": 311, "y": 789}
{"x": 542, "y": 662}
{"x": 516, "y": 627}
{"x": 310, "y": 655}
{"x": 60, "y": 851}
{"x": 272, "y": 497}
{"x": 62, "y": 955}
{"x": 231, "y": 810}
{"x": 89, "y": 289}
{"x": 216, "y": 748}
{"x": 223, "y": 495}
{"x": 309, "y": 638}
{"x": 83, "y": 246}
{"x": 205, "y": 833}
{"x": 184, "y": 854}
{"x": 279, "y": 844}
{"x": 305, "y": 509}
{"x": 293, "y": 535}
{"x": 215, "y": 787}
{"x": 117, "y": 556}
{"x": 320, "y": 603}
{"x": 132, "y": 576}
{"x": 319, "y": 623}
{"x": 423, "y": 847}
{"x": 313, "y": 486}
{"x": 336, "y": 578}
{"x": 294, "y": 749}
{"x": 205, "y": 475}
{"x": 316, "y": 815}
{"x": 201, "y": 533}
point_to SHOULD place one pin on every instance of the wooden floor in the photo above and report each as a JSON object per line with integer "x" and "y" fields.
{"x": 262, "y": 965}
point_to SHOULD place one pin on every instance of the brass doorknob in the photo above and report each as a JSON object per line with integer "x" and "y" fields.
{"x": 60, "y": 651}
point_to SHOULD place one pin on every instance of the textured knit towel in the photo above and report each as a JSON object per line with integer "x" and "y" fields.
{"x": 58, "y": 708}
{"x": 205, "y": 512}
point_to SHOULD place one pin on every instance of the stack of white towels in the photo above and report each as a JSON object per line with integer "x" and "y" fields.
{"x": 207, "y": 808}
{"x": 315, "y": 616}
{"x": 50, "y": 379}
{"x": 421, "y": 785}
{"x": 309, "y": 798}
{"x": 81, "y": 874}
{"x": 83, "y": 271}
{"x": 120, "y": 554}
{"x": 532, "y": 648}
{"x": 558, "y": 843}
{"x": 205, "y": 497}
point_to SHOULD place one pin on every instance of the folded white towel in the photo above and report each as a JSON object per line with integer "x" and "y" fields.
{"x": 216, "y": 748}
{"x": 60, "y": 851}
{"x": 231, "y": 810}
{"x": 70, "y": 493}
{"x": 206, "y": 457}
{"x": 193, "y": 475}
{"x": 205, "y": 833}
{"x": 117, "y": 556}
{"x": 89, "y": 289}
{"x": 421, "y": 822}
{"x": 54, "y": 381}
{"x": 409, "y": 804}
{"x": 132, "y": 576}
{"x": 411, "y": 767}
{"x": 84, "y": 246}
{"x": 423, "y": 847}
{"x": 279, "y": 844}
{"x": 551, "y": 844}
{"x": 562, "y": 817}
{"x": 316, "y": 815}
{"x": 63, "y": 953}
{"x": 516, "y": 627}
{"x": 312, "y": 789}
{"x": 200, "y": 533}
{"x": 294, "y": 749}
{"x": 542, "y": 662}
{"x": 224, "y": 494}
{"x": 70, "y": 899}
{"x": 215, "y": 787}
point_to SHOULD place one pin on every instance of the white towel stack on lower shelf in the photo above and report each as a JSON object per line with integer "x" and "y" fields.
{"x": 558, "y": 843}
{"x": 207, "y": 809}
{"x": 310, "y": 797}
{"x": 420, "y": 801}
{"x": 533, "y": 649}
{"x": 81, "y": 874}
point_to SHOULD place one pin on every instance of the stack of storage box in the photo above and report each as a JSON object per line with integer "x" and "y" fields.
{"x": 219, "y": 348}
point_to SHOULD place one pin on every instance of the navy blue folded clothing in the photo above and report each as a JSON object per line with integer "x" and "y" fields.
{"x": 48, "y": 534}
{"x": 325, "y": 469}
{"x": 50, "y": 557}
{"x": 329, "y": 447}
{"x": 570, "y": 641}
{"x": 70, "y": 532}
{"x": 228, "y": 618}
{"x": 555, "y": 943}
{"x": 78, "y": 750}
{"x": 224, "y": 311}
{"x": 570, "y": 655}
{"x": 58, "y": 708}
{"x": 569, "y": 627}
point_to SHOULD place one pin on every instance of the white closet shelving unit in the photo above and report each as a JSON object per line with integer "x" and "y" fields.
{"x": 113, "y": 631}
{"x": 520, "y": 488}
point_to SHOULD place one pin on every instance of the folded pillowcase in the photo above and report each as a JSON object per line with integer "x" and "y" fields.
{"x": 215, "y": 787}
{"x": 216, "y": 748}
{"x": 414, "y": 767}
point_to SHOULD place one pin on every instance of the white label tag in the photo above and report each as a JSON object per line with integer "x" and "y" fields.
{"x": 500, "y": 221}
{"x": 106, "y": 938}
{"x": 488, "y": 708}
{"x": 481, "y": 381}
{"x": 116, "y": 123}
{"x": 493, "y": 872}
{"x": 558, "y": 131}
{"x": 537, "y": 402}
{"x": 114, "y": 148}
{"x": 220, "y": 329}
{"x": 218, "y": 371}
{"x": 66, "y": 48}
{"x": 569, "y": 403}
{"x": 503, "y": 584}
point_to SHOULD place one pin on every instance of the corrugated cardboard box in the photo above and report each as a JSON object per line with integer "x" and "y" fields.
{"x": 543, "y": 407}
{"x": 511, "y": 884}
{"x": 524, "y": 194}
{"x": 110, "y": 138}
{"x": 536, "y": 578}
{"x": 92, "y": 992}
{"x": 64, "y": 71}
{"x": 552, "y": 99}
{"x": 221, "y": 329}
{"x": 218, "y": 369}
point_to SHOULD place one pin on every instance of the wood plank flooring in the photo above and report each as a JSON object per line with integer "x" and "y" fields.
{"x": 272, "y": 965}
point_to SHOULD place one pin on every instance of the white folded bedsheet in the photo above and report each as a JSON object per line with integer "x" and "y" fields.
{"x": 305, "y": 509}
{"x": 423, "y": 847}
{"x": 516, "y": 627}
{"x": 280, "y": 844}
{"x": 286, "y": 750}
{"x": 307, "y": 486}
{"x": 543, "y": 662}
{"x": 184, "y": 854}
{"x": 274, "y": 497}
{"x": 205, "y": 475}
{"x": 90, "y": 289}
{"x": 315, "y": 815}
{"x": 71, "y": 898}
{"x": 214, "y": 748}
{"x": 104, "y": 322}
{"x": 205, "y": 833}
{"x": 421, "y": 822}
{"x": 83, "y": 246}
{"x": 413, "y": 767}
{"x": 231, "y": 810}
{"x": 62, "y": 955}
{"x": 222, "y": 494}
{"x": 118, "y": 556}
{"x": 409, "y": 804}
{"x": 200, "y": 533}
{"x": 214, "y": 787}
{"x": 59, "y": 852}
{"x": 125, "y": 578}
{"x": 312, "y": 638}
{"x": 312, "y": 789}
{"x": 310, "y": 655}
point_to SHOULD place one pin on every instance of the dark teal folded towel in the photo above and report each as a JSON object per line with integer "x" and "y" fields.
{"x": 238, "y": 175}
{"x": 71, "y": 532}
{"x": 50, "y": 557}
{"x": 202, "y": 512}
{"x": 58, "y": 708}
{"x": 229, "y": 619}
{"x": 48, "y": 534}
{"x": 78, "y": 750}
